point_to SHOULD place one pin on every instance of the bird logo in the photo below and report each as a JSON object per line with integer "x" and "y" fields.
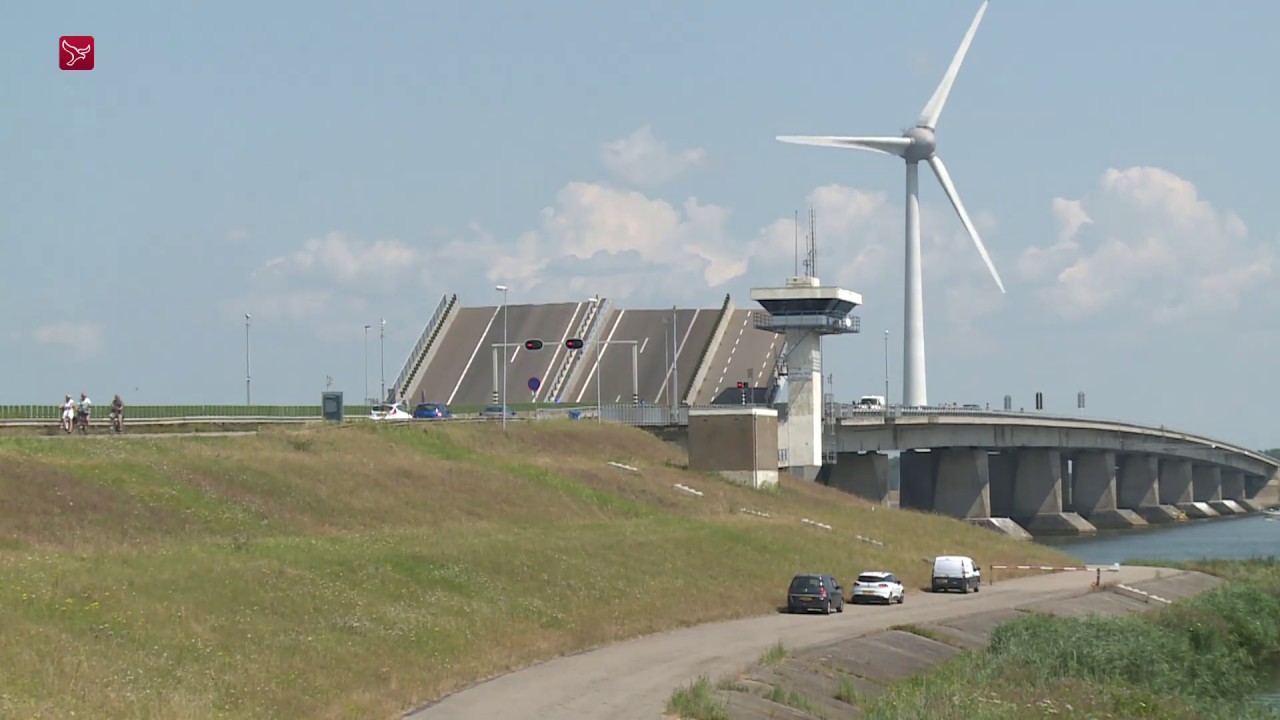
{"x": 75, "y": 54}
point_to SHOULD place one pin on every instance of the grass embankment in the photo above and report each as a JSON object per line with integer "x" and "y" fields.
{"x": 359, "y": 571}
{"x": 1201, "y": 658}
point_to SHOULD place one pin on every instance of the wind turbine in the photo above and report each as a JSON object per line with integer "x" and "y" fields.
{"x": 915, "y": 145}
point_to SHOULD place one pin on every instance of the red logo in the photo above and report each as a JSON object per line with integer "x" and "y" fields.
{"x": 75, "y": 52}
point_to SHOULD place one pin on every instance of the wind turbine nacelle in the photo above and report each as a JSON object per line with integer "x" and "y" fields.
{"x": 922, "y": 144}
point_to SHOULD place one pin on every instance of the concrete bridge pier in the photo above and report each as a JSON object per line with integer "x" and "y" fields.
{"x": 865, "y": 474}
{"x": 917, "y": 480}
{"x": 1037, "y": 495}
{"x": 955, "y": 482}
{"x": 1206, "y": 488}
{"x": 1093, "y": 484}
{"x": 1233, "y": 491}
{"x": 1253, "y": 486}
{"x": 1201, "y": 479}
{"x": 1140, "y": 488}
{"x": 963, "y": 487}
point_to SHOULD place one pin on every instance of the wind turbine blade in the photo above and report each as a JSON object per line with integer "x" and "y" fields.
{"x": 887, "y": 145}
{"x": 940, "y": 170}
{"x": 929, "y": 117}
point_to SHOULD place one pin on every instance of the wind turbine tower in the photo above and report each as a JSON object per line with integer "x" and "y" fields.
{"x": 917, "y": 145}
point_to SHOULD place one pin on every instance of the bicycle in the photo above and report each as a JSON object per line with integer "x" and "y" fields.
{"x": 117, "y": 422}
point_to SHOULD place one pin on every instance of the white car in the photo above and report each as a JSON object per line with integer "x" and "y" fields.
{"x": 397, "y": 411}
{"x": 877, "y": 586}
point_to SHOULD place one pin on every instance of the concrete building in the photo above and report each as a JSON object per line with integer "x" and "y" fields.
{"x": 739, "y": 443}
{"x": 804, "y": 312}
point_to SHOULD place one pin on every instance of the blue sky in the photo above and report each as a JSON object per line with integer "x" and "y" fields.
{"x": 322, "y": 169}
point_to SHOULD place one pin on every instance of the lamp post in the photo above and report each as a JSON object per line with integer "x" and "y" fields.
{"x": 595, "y": 301}
{"x": 505, "y": 358}
{"x": 382, "y": 357}
{"x": 247, "y": 382}
{"x": 886, "y": 372}
{"x": 366, "y": 362}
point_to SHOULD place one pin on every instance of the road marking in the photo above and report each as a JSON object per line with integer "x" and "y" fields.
{"x": 599, "y": 357}
{"x": 474, "y": 350}
{"x": 644, "y": 345}
{"x": 679, "y": 349}
{"x": 546, "y": 378}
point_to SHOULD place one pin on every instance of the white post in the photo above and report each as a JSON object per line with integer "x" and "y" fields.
{"x": 505, "y": 359}
{"x": 247, "y": 383}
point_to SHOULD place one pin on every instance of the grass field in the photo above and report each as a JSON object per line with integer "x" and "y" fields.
{"x": 359, "y": 571}
{"x": 1199, "y": 659}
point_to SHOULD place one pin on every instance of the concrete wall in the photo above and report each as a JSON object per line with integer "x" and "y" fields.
{"x": 739, "y": 443}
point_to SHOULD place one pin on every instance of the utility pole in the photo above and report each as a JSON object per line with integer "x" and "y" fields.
{"x": 675, "y": 363}
{"x": 382, "y": 357}
{"x": 366, "y": 362}
{"x": 886, "y": 372}
{"x": 247, "y": 381}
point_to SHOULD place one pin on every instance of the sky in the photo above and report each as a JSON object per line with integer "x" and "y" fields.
{"x": 327, "y": 168}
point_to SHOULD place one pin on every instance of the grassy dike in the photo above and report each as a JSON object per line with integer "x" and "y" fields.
{"x": 1200, "y": 658}
{"x": 359, "y": 571}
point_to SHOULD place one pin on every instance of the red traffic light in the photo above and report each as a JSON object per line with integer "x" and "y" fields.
{"x": 573, "y": 343}
{"x": 742, "y": 386}
{"x": 532, "y": 344}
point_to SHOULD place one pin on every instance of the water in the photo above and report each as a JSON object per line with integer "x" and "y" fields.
{"x": 1231, "y": 539}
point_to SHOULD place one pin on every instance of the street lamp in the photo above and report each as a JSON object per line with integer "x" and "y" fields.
{"x": 382, "y": 357}
{"x": 599, "y": 419}
{"x": 886, "y": 372}
{"x": 366, "y": 362}
{"x": 505, "y": 358}
{"x": 247, "y": 384}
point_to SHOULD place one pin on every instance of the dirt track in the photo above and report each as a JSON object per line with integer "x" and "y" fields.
{"x": 634, "y": 679}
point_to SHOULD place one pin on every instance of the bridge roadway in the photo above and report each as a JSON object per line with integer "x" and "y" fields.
{"x": 632, "y": 680}
{"x": 743, "y": 351}
{"x": 461, "y": 373}
{"x": 649, "y": 329}
{"x": 1049, "y": 474}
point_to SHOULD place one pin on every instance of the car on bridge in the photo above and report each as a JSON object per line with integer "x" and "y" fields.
{"x": 390, "y": 411}
{"x": 432, "y": 410}
{"x": 495, "y": 411}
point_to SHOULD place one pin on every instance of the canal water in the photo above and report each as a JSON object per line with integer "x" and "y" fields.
{"x": 1236, "y": 538}
{"x": 1229, "y": 538}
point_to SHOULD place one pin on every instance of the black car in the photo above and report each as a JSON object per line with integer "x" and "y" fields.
{"x": 815, "y": 591}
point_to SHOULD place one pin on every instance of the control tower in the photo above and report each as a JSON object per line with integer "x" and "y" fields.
{"x": 804, "y": 311}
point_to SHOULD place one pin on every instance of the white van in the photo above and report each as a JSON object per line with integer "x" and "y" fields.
{"x": 956, "y": 572}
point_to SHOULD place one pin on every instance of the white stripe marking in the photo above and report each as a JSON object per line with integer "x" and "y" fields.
{"x": 474, "y": 350}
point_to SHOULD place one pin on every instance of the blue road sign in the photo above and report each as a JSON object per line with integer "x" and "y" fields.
{"x": 534, "y": 384}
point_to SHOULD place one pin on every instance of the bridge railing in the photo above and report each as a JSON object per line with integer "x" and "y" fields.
{"x": 650, "y": 416}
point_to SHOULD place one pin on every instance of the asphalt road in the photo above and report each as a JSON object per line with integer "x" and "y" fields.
{"x": 634, "y": 679}
{"x": 649, "y": 329}
{"x": 456, "y": 344}
{"x": 462, "y": 371}
{"x": 743, "y": 347}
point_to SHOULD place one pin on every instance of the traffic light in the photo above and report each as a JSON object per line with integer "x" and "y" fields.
{"x": 573, "y": 343}
{"x": 1039, "y": 401}
{"x": 742, "y": 386}
{"x": 532, "y": 344}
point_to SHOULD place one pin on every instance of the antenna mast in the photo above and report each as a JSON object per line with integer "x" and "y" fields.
{"x": 796, "y": 226}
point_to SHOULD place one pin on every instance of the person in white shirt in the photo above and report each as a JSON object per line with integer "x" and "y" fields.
{"x": 68, "y": 413}
{"x": 85, "y": 408}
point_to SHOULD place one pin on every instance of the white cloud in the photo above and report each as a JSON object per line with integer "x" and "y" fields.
{"x": 347, "y": 260}
{"x": 645, "y": 161}
{"x": 1145, "y": 242}
{"x": 80, "y": 338}
{"x": 668, "y": 247}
